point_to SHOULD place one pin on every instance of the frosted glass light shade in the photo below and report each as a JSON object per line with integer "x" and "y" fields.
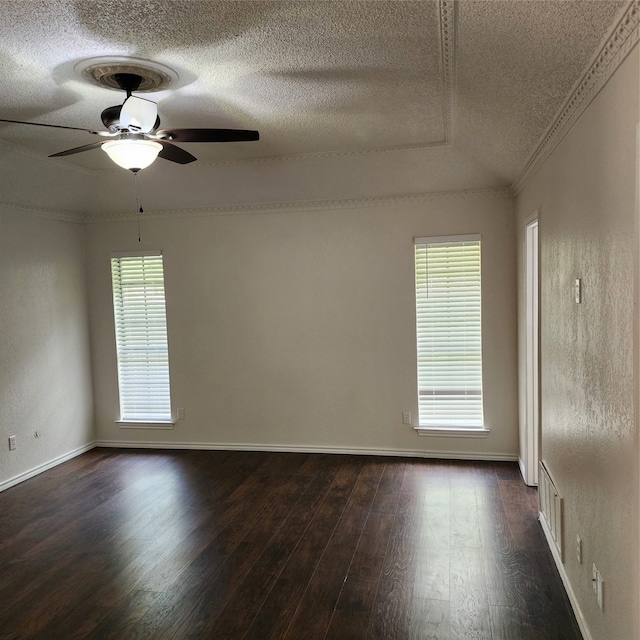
{"x": 132, "y": 154}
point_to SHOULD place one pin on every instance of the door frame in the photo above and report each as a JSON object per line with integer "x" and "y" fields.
{"x": 532, "y": 437}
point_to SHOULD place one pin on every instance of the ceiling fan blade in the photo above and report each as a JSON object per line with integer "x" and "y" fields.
{"x": 208, "y": 135}
{"x": 175, "y": 154}
{"x": 69, "y": 152}
{"x": 138, "y": 115}
{"x": 56, "y": 126}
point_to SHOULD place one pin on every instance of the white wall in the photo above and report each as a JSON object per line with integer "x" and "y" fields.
{"x": 33, "y": 180}
{"x": 297, "y": 328}
{"x": 586, "y": 196}
{"x": 45, "y": 375}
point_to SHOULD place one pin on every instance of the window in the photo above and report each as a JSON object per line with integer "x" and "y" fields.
{"x": 448, "y": 322}
{"x": 141, "y": 337}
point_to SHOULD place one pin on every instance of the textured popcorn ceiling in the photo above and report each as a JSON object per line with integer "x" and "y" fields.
{"x": 312, "y": 77}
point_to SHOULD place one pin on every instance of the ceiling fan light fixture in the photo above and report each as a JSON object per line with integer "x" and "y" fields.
{"x": 132, "y": 154}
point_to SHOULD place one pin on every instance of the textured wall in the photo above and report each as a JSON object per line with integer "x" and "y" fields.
{"x": 45, "y": 375}
{"x": 586, "y": 196}
{"x": 298, "y": 328}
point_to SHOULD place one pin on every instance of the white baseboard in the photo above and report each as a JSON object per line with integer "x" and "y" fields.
{"x": 582, "y": 623}
{"x": 226, "y": 446}
{"x": 522, "y": 469}
{"x": 25, "y": 475}
{"x": 524, "y": 473}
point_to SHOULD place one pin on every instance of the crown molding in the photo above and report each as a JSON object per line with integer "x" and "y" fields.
{"x": 49, "y": 214}
{"x": 304, "y": 206}
{"x": 617, "y": 44}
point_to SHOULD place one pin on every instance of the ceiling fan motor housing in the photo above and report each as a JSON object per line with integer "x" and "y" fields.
{"x": 111, "y": 118}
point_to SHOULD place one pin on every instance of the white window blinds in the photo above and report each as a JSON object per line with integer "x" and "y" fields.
{"x": 141, "y": 338}
{"x": 448, "y": 320}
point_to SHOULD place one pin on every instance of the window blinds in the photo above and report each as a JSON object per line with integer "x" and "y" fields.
{"x": 141, "y": 338}
{"x": 448, "y": 320}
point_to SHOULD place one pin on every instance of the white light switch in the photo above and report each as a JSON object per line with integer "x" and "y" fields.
{"x": 577, "y": 291}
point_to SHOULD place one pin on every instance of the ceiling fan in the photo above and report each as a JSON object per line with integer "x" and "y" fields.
{"x": 135, "y": 137}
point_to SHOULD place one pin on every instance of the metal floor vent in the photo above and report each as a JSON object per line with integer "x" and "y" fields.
{"x": 551, "y": 507}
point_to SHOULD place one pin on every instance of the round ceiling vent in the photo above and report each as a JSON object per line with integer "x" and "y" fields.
{"x": 102, "y": 71}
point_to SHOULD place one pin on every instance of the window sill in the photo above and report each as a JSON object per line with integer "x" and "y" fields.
{"x": 455, "y": 432}
{"x": 144, "y": 424}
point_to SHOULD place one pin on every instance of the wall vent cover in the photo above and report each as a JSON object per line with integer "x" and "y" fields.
{"x": 551, "y": 508}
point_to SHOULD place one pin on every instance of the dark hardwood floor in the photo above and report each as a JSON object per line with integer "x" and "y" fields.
{"x": 241, "y": 545}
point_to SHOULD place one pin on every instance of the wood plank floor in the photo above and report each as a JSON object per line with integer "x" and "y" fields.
{"x": 258, "y": 546}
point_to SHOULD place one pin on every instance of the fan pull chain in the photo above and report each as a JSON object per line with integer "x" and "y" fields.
{"x": 138, "y": 205}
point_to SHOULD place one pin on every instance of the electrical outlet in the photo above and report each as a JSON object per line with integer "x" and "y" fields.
{"x": 579, "y": 549}
{"x": 406, "y": 417}
{"x": 180, "y": 414}
{"x": 12, "y": 443}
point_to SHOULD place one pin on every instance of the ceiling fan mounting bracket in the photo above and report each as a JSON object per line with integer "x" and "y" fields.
{"x": 128, "y": 82}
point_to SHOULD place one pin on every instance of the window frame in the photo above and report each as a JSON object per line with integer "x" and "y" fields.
{"x": 130, "y": 420}
{"x": 434, "y": 427}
